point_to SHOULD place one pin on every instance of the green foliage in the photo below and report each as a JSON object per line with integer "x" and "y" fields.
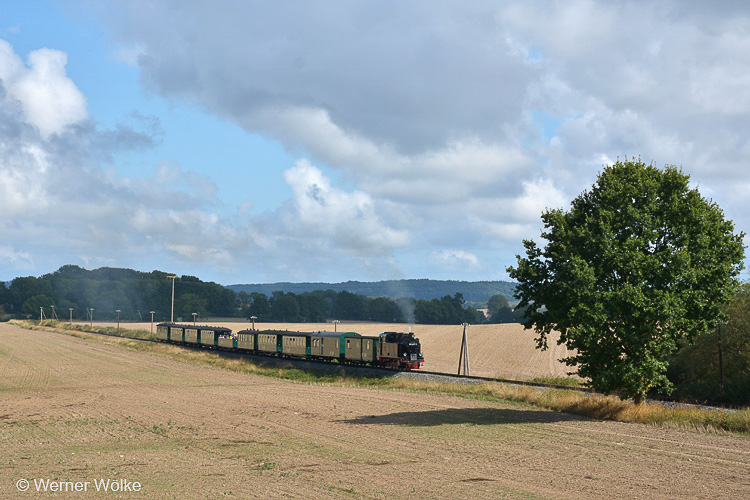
{"x": 500, "y": 311}
{"x": 190, "y": 303}
{"x": 694, "y": 369}
{"x": 285, "y": 307}
{"x": 350, "y": 306}
{"x": 33, "y": 304}
{"x": 446, "y": 311}
{"x": 639, "y": 263}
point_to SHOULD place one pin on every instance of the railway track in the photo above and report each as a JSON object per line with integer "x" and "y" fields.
{"x": 360, "y": 370}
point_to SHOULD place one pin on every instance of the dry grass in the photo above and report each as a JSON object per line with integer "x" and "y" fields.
{"x": 573, "y": 402}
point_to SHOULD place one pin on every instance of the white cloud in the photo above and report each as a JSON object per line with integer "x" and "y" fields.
{"x": 538, "y": 196}
{"x": 20, "y": 259}
{"x": 455, "y": 259}
{"x": 348, "y": 219}
{"x": 49, "y": 99}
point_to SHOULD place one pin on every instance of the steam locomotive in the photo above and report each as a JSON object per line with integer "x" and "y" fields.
{"x": 396, "y": 350}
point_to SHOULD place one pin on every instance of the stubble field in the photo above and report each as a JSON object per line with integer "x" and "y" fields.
{"x": 91, "y": 409}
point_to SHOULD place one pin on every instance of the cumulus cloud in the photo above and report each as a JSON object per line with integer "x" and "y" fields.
{"x": 348, "y": 220}
{"x": 49, "y": 99}
{"x": 455, "y": 259}
{"x": 20, "y": 259}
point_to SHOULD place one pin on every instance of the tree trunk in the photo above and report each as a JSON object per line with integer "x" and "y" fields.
{"x": 639, "y": 398}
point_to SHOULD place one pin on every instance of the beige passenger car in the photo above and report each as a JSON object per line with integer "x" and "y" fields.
{"x": 175, "y": 334}
{"x": 227, "y": 342}
{"x": 208, "y": 337}
{"x": 360, "y": 349}
{"x": 295, "y": 344}
{"x": 268, "y": 342}
{"x": 191, "y": 335}
{"x": 246, "y": 340}
{"x": 162, "y": 332}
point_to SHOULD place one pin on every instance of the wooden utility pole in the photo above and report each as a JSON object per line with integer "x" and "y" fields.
{"x": 463, "y": 356}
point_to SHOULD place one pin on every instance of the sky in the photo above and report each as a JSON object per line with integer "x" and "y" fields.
{"x": 264, "y": 141}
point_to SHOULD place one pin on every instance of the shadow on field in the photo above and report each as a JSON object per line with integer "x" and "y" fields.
{"x": 474, "y": 416}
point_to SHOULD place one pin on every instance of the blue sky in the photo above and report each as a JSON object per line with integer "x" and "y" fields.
{"x": 264, "y": 141}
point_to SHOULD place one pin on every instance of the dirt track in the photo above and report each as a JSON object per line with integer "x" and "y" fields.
{"x": 81, "y": 410}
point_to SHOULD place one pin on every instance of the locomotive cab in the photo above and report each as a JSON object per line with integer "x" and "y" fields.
{"x": 400, "y": 350}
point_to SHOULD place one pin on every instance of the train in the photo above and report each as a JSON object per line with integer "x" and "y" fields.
{"x": 394, "y": 350}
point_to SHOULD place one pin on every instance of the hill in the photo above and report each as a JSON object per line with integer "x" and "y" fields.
{"x": 426, "y": 289}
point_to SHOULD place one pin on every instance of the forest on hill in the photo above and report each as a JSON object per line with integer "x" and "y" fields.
{"x": 476, "y": 293}
{"x": 75, "y": 292}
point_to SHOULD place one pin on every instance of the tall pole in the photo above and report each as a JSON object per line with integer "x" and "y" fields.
{"x": 41, "y": 313}
{"x": 152, "y": 322}
{"x": 253, "y": 318}
{"x": 194, "y": 315}
{"x": 71, "y": 315}
{"x": 721, "y": 364}
{"x": 171, "y": 318}
{"x": 118, "y": 322}
{"x": 92, "y": 317}
{"x": 463, "y": 356}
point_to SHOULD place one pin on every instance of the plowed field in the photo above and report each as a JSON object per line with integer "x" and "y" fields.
{"x": 89, "y": 410}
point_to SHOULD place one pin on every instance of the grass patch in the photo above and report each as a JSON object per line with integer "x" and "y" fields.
{"x": 565, "y": 381}
{"x": 567, "y": 401}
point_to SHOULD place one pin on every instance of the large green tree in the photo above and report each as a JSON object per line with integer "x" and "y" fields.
{"x": 639, "y": 262}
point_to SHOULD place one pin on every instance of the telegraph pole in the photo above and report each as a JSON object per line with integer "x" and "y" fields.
{"x": 463, "y": 356}
{"x": 172, "y": 277}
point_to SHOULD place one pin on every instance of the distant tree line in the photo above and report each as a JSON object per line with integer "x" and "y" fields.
{"x": 136, "y": 293}
{"x": 322, "y": 305}
{"x": 106, "y": 290}
{"x": 473, "y": 292}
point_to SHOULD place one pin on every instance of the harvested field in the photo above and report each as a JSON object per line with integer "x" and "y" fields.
{"x": 86, "y": 410}
{"x": 502, "y": 351}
